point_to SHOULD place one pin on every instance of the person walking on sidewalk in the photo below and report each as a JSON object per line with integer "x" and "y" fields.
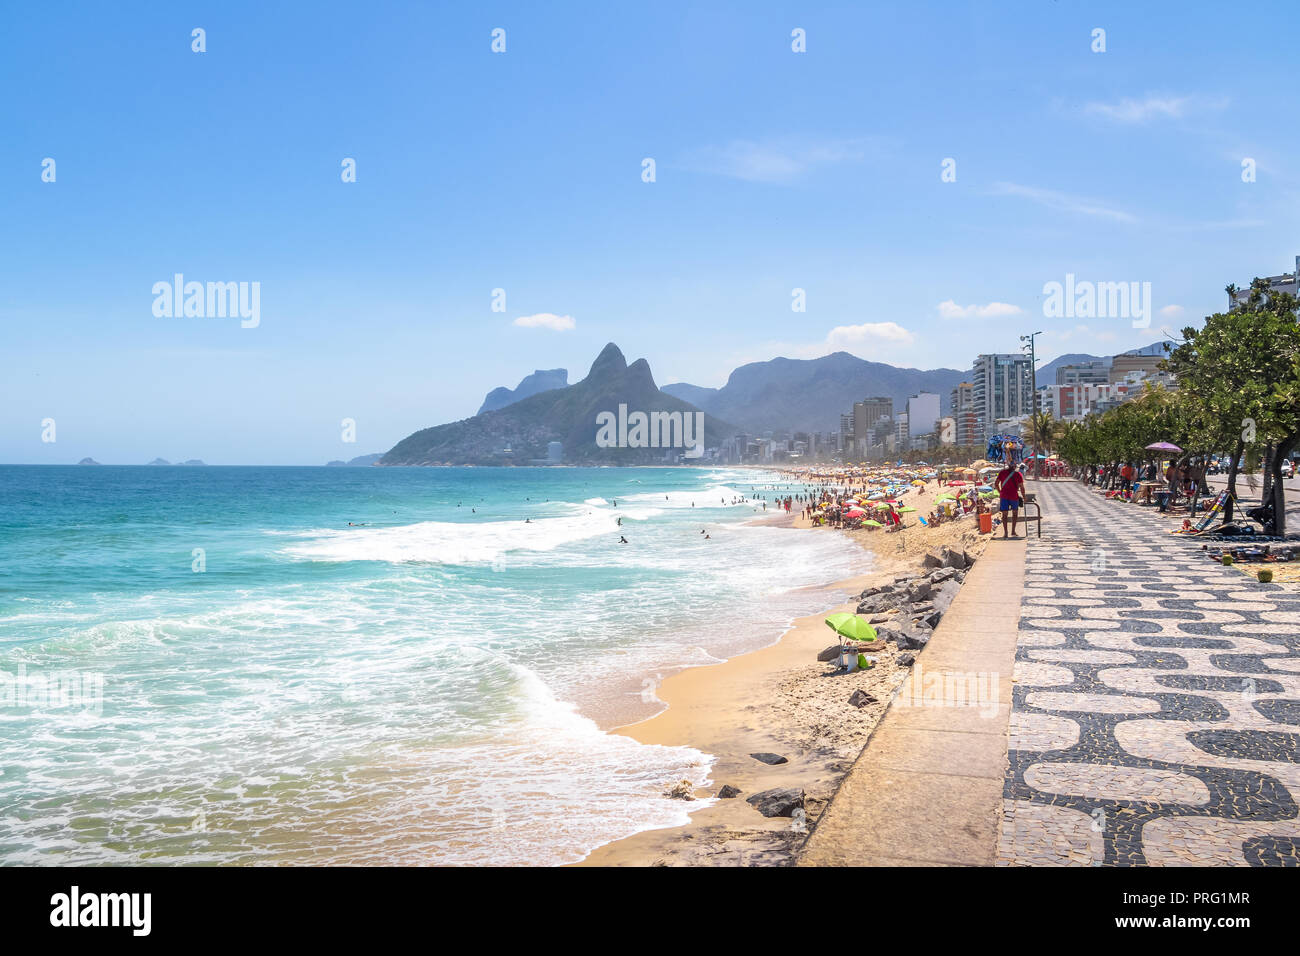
{"x": 1011, "y": 490}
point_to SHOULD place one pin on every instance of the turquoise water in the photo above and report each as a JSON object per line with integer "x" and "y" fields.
{"x": 431, "y": 685}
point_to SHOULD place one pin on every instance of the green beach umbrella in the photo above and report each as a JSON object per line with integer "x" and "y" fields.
{"x": 851, "y": 626}
{"x": 907, "y": 511}
{"x": 873, "y": 524}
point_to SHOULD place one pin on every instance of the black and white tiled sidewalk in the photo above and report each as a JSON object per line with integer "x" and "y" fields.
{"x": 1156, "y": 710}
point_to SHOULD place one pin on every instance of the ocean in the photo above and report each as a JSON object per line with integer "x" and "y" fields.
{"x": 209, "y": 665}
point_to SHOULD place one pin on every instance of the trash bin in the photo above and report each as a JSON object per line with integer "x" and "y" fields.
{"x": 986, "y": 523}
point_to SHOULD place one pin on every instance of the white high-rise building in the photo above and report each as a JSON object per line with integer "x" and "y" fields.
{"x": 1002, "y": 389}
{"x": 922, "y": 413}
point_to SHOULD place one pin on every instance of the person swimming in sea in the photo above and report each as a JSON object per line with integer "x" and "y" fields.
{"x": 622, "y": 540}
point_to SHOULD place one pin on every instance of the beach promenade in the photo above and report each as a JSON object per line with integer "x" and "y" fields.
{"x": 1154, "y": 716}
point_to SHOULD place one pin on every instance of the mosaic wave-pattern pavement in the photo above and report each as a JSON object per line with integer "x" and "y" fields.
{"x": 1156, "y": 709}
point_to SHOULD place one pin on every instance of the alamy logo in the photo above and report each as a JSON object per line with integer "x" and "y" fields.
{"x": 651, "y": 430}
{"x": 103, "y": 909}
{"x": 213, "y": 300}
{"x": 1098, "y": 300}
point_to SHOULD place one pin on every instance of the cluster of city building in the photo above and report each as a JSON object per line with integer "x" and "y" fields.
{"x": 997, "y": 399}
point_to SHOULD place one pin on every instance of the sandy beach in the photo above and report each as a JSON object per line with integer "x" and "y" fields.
{"x": 782, "y": 700}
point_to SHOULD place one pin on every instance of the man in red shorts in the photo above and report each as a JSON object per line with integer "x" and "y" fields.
{"x": 1011, "y": 490}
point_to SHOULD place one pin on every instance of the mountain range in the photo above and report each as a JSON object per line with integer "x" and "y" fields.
{"x": 811, "y": 394}
{"x": 515, "y": 426}
{"x": 542, "y": 380}
{"x": 521, "y": 432}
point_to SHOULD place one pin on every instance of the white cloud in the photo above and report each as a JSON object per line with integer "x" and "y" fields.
{"x": 1172, "y": 311}
{"x": 546, "y": 320}
{"x": 951, "y": 310}
{"x": 1130, "y": 110}
{"x": 778, "y": 162}
{"x": 868, "y": 333}
{"x": 1063, "y": 202}
{"x": 1151, "y": 107}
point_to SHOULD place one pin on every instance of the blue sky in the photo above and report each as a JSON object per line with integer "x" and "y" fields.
{"x": 521, "y": 170}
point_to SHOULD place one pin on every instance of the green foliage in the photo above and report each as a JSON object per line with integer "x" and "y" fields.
{"x": 1238, "y": 380}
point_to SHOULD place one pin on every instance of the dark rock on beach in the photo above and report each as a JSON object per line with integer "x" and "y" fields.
{"x": 728, "y": 791}
{"x": 914, "y": 639}
{"x": 860, "y": 698}
{"x": 780, "y": 802}
{"x": 906, "y": 660}
{"x": 769, "y": 758}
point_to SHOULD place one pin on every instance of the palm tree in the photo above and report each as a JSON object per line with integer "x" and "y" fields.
{"x": 1042, "y": 431}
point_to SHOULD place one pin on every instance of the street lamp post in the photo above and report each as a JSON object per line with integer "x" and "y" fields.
{"x": 1033, "y": 382}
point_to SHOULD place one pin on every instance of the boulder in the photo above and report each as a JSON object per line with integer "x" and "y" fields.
{"x": 769, "y": 758}
{"x": 728, "y": 791}
{"x": 939, "y": 575}
{"x": 906, "y": 660}
{"x": 781, "y": 802}
{"x": 879, "y": 603}
{"x": 919, "y": 591}
{"x": 914, "y": 638}
{"x": 869, "y": 592}
{"x": 932, "y": 619}
{"x": 933, "y": 559}
{"x": 943, "y": 595}
{"x": 860, "y": 698}
{"x": 889, "y": 632}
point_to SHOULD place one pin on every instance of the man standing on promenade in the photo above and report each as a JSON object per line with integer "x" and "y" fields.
{"x": 1011, "y": 489}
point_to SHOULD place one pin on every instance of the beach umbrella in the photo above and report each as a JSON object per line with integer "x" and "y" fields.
{"x": 855, "y": 513}
{"x": 907, "y": 510}
{"x": 1163, "y": 446}
{"x": 956, "y": 484}
{"x": 918, "y": 482}
{"x": 984, "y": 488}
{"x": 851, "y": 626}
{"x": 873, "y": 524}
